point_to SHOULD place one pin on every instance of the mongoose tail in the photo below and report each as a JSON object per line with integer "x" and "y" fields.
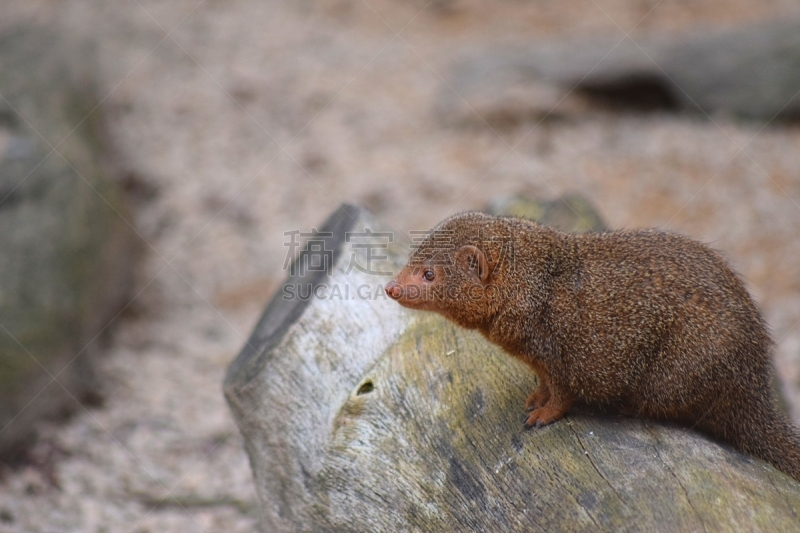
{"x": 770, "y": 436}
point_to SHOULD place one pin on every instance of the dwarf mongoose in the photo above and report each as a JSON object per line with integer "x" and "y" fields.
{"x": 648, "y": 321}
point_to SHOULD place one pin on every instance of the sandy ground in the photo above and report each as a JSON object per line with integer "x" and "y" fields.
{"x": 246, "y": 119}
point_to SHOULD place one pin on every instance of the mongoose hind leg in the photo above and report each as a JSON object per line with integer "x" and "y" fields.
{"x": 555, "y": 409}
{"x": 539, "y": 397}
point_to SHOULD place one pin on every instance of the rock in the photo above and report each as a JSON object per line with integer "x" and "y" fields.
{"x": 571, "y": 212}
{"x": 359, "y": 415}
{"x": 751, "y": 72}
{"x": 67, "y": 256}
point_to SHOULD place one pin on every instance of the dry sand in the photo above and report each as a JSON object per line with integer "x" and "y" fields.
{"x": 256, "y": 118}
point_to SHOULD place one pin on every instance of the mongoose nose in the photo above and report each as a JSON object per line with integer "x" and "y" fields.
{"x": 393, "y": 290}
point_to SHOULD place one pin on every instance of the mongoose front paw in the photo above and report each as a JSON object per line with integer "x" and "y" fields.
{"x": 543, "y": 416}
{"x": 537, "y": 399}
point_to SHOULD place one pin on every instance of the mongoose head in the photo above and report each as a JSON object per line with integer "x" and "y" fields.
{"x": 453, "y": 271}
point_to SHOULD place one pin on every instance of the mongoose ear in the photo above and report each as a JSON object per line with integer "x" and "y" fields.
{"x": 471, "y": 258}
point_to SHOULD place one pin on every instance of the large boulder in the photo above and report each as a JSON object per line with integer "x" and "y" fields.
{"x": 358, "y": 415}
{"x": 66, "y": 264}
{"x": 751, "y": 72}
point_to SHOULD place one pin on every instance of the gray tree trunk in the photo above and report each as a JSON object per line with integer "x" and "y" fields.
{"x": 66, "y": 250}
{"x": 361, "y": 416}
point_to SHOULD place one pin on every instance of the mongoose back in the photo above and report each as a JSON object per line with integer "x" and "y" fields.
{"x": 647, "y": 321}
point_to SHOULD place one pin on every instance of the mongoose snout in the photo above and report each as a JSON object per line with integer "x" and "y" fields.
{"x": 394, "y": 290}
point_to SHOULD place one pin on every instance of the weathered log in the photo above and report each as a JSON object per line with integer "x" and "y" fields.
{"x": 361, "y": 416}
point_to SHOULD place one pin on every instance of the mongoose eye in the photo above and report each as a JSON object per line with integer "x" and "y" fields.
{"x": 428, "y": 275}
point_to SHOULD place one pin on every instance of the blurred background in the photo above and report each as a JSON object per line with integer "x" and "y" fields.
{"x": 155, "y": 153}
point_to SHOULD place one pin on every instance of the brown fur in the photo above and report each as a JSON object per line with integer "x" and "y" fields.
{"x": 647, "y": 321}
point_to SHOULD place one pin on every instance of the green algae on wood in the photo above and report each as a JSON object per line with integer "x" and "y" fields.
{"x": 439, "y": 445}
